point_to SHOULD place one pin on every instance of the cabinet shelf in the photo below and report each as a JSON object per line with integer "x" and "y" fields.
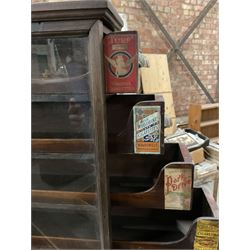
{"x": 65, "y": 197}
{"x": 151, "y": 229}
{"x": 62, "y": 145}
{"x": 150, "y": 198}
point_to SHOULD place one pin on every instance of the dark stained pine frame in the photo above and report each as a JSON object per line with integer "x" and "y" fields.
{"x": 95, "y": 18}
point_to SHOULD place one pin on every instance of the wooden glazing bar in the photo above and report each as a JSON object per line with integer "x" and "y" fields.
{"x": 65, "y": 208}
{"x": 59, "y": 97}
{"x": 63, "y": 197}
{"x": 63, "y": 156}
{"x": 62, "y": 145}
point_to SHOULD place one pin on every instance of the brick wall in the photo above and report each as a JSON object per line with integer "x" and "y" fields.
{"x": 201, "y": 49}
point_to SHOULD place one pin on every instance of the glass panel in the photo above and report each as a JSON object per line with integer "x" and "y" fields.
{"x": 64, "y": 206}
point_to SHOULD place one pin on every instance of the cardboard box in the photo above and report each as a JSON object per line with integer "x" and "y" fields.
{"x": 198, "y": 155}
{"x": 204, "y": 172}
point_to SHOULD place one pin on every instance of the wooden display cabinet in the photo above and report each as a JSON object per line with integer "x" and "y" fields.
{"x": 69, "y": 124}
{"x": 139, "y": 217}
{"x": 86, "y": 180}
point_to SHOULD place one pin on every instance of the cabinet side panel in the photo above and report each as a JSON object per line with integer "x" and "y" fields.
{"x": 99, "y": 109}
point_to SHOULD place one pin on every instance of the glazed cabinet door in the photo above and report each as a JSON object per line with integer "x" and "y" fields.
{"x": 69, "y": 187}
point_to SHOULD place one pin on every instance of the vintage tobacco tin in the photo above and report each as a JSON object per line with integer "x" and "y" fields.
{"x": 207, "y": 235}
{"x": 121, "y": 62}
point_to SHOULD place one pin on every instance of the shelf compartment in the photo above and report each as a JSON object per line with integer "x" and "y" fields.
{"x": 151, "y": 198}
{"x": 120, "y": 126}
{"x": 133, "y": 227}
{"x": 61, "y": 223}
{"x": 67, "y": 85}
{"x": 61, "y": 159}
{"x": 145, "y": 229}
{"x": 179, "y": 241}
{"x": 146, "y": 166}
{"x": 55, "y": 120}
{"x": 64, "y": 183}
{"x": 184, "y": 241}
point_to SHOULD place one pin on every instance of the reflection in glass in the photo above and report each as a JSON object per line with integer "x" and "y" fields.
{"x": 59, "y": 57}
{"x": 64, "y": 206}
{"x": 61, "y": 106}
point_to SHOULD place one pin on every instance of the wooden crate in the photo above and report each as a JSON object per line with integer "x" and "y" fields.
{"x": 156, "y": 80}
{"x": 204, "y": 118}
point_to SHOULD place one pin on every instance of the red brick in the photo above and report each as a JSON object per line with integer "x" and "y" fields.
{"x": 201, "y": 48}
